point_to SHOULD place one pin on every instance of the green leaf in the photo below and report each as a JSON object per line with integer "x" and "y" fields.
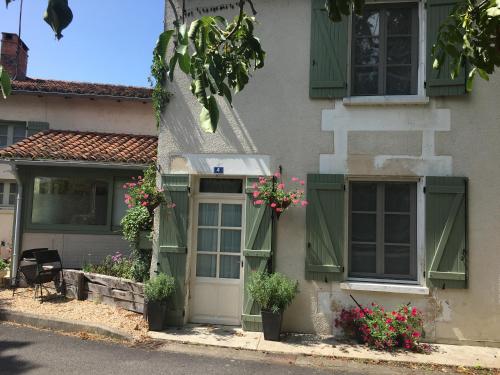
{"x": 226, "y": 91}
{"x": 185, "y": 63}
{"x": 163, "y": 40}
{"x": 5, "y": 85}
{"x": 209, "y": 116}
{"x": 171, "y": 66}
{"x": 181, "y": 49}
{"x": 483, "y": 74}
{"x": 493, "y": 12}
{"x": 58, "y": 15}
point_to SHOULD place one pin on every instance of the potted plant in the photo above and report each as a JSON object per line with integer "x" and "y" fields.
{"x": 156, "y": 293}
{"x": 273, "y": 292}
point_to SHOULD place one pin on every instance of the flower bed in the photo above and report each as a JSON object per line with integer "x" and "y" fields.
{"x": 384, "y": 330}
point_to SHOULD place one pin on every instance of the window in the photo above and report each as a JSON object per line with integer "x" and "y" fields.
{"x": 15, "y": 131}
{"x": 221, "y": 185}
{"x": 385, "y": 50}
{"x": 382, "y": 230}
{"x": 70, "y": 200}
{"x": 8, "y": 193}
{"x": 119, "y": 205}
{"x": 219, "y": 240}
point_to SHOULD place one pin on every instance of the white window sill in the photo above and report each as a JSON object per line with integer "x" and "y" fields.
{"x": 386, "y": 100}
{"x": 385, "y": 288}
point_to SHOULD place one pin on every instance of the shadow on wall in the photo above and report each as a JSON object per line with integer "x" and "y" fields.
{"x": 182, "y": 121}
{"x": 10, "y": 363}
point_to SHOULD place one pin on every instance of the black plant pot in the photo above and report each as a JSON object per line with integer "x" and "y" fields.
{"x": 271, "y": 325}
{"x": 155, "y": 314}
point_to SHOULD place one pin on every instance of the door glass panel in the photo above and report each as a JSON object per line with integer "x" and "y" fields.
{"x": 231, "y": 215}
{"x": 230, "y": 241}
{"x": 207, "y": 239}
{"x": 229, "y": 267}
{"x": 363, "y": 258}
{"x": 208, "y": 214}
{"x": 397, "y": 260}
{"x": 206, "y": 265}
{"x": 223, "y": 186}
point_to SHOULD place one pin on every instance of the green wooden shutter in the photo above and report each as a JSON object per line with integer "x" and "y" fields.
{"x": 36, "y": 127}
{"x": 446, "y": 232}
{"x": 172, "y": 252}
{"x": 257, "y": 252}
{"x": 328, "y": 66}
{"x": 439, "y": 82}
{"x": 325, "y": 220}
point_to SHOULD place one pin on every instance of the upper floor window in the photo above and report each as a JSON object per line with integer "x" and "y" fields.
{"x": 385, "y": 50}
{"x": 15, "y": 131}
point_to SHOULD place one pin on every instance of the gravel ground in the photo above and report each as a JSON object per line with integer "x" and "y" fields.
{"x": 73, "y": 310}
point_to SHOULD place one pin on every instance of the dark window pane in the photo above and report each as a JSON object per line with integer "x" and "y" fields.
{"x": 399, "y": 80}
{"x": 368, "y": 24}
{"x": 206, "y": 265}
{"x": 366, "y": 51}
{"x": 397, "y": 197}
{"x": 221, "y": 185}
{"x": 19, "y": 133}
{"x": 397, "y": 228}
{"x": 4, "y": 129}
{"x": 399, "y": 50}
{"x": 399, "y": 21}
{"x": 208, "y": 214}
{"x": 363, "y": 259}
{"x": 229, "y": 267}
{"x": 364, "y": 197}
{"x": 72, "y": 201}
{"x": 364, "y": 227}
{"x": 397, "y": 260}
{"x": 12, "y": 194}
{"x": 365, "y": 81}
{"x": 207, "y": 239}
{"x": 231, "y": 215}
{"x": 230, "y": 241}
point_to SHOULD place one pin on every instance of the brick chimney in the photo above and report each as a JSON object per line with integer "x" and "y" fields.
{"x": 17, "y": 67}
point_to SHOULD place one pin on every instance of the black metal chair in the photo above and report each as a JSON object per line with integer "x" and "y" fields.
{"x": 26, "y": 268}
{"x": 48, "y": 269}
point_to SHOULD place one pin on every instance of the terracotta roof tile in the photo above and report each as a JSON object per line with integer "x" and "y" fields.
{"x": 84, "y": 146}
{"x": 49, "y": 86}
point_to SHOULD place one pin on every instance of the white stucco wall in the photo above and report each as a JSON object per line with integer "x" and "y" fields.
{"x": 274, "y": 116}
{"x": 82, "y": 114}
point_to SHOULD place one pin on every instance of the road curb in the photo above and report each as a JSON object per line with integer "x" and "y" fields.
{"x": 55, "y": 324}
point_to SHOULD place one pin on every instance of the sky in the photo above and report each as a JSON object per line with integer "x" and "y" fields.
{"x": 109, "y": 41}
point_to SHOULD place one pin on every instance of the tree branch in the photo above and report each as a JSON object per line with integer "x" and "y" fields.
{"x": 176, "y": 15}
{"x": 238, "y": 23}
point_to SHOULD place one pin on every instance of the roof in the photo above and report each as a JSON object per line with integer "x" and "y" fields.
{"x": 63, "y": 145}
{"x": 69, "y": 88}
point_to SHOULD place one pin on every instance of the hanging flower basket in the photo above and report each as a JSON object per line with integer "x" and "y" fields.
{"x": 271, "y": 191}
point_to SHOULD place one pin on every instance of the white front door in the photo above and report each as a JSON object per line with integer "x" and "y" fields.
{"x": 216, "y": 268}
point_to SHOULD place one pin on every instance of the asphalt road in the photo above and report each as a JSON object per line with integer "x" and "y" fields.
{"x": 30, "y": 351}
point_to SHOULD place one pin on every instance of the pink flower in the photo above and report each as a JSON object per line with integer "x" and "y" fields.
{"x": 139, "y": 178}
{"x": 254, "y": 185}
{"x": 295, "y": 201}
{"x": 256, "y": 194}
{"x": 304, "y": 203}
{"x": 144, "y": 204}
{"x": 281, "y": 186}
{"x": 388, "y": 320}
{"x": 302, "y": 182}
{"x": 125, "y": 186}
{"x": 295, "y": 179}
{"x": 277, "y": 175}
{"x": 259, "y": 201}
{"x": 146, "y": 196}
{"x": 279, "y": 209}
{"x": 273, "y": 205}
{"x": 416, "y": 334}
{"x": 129, "y": 206}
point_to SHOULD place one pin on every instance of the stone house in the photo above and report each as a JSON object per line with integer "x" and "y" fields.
{"x": 66, "y": 150}
{"x": 401, "y": 173}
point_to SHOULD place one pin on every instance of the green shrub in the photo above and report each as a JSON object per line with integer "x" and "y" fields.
{"x": 3, "y": 265}
{"x": 159, "y": 288}
{"x": 141, "y": 261}
{"x": 273, "y": 292}
{"x": 113, "y": 265}
{"x": 135, "y": 220}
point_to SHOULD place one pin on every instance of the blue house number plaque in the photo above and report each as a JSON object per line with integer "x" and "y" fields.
{"x": 219, "y": 170}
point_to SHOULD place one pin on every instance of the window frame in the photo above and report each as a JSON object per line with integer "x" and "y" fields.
{"x": 413, "y": 277}
{"x": 110, "y": 175}
{"x": 6, "y": 193}
{"x": 418, "y": 68}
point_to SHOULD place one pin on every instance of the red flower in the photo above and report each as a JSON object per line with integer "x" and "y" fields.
{"x": 388, "y": 320}
{"x": 416, "y": 334}
{"x": 414, "y": 311}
